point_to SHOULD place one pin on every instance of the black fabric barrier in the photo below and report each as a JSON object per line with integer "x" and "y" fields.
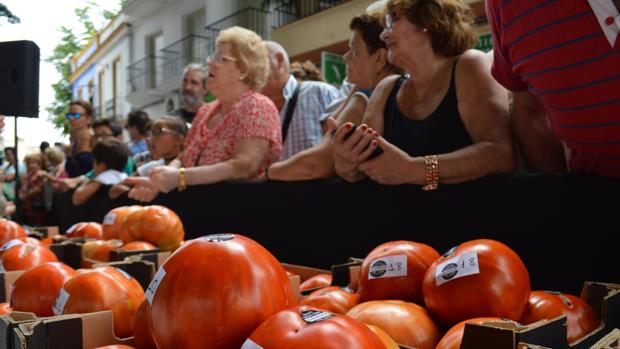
{"x": 564, "y": 227}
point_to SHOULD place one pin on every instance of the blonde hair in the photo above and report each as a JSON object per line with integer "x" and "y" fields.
{"x": 250, "y": 52}
{"x": 38, "y": 157}
{"x": 449, "y": 23}
{"x": 55, "y": 155}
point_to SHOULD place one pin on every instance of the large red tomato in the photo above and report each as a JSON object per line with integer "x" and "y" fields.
{"x": 226, "y": 283}
{"x": 384, "y": 337}
{"x": 98, "y": 251}
{"x": 581, "y": 319}
{"x": 10, "y": 230}
{"x": 18, "y": 241}
{"x": 316, "y": 281}
{"x": 395, "y": 270}
{"x": 116, "y": 346}
{"x": 103, "y": 288}
{"x": 142, "y": 335}
{"x": 333, "y": 298}
{"x": 114, "y": 220}
{"x": 35, "y": 291}
{"x": 25, "y": 256}
{"x": 138, "y": 246}
{"x": 478, "y": 278}
{"x": 5, "y": 308}
{"x": 407, "y": 323}
{"x": 155, "y": 224}
{"x": 308, "y": 327}
{"x": 453, "y": 338}
{"x": 85, "y": 230}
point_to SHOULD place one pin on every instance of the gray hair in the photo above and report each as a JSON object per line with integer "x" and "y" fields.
{"x": 199, "y": 67}
{"x": 274, "y": 48}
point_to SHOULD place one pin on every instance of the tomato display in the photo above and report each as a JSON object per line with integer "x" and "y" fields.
{"x": 113, "y": 221}
{"x": 104, "y": 288}
{"x": 85, "y": 230}
{"x": 453, "y": 338}
{"x": 395, "y": 270}
{"x": 316, "y": 281}
{"x": 384, "y": 337}
{"x": 10, "y": 230}
{"x": 36, "y": 290}
{"x": 226, "y": 283}
{"x": 138, "y": 246}
{"x": 334, "y": 299}
{"x": 407, "y": 323}
{"x": 308, "y": 327}
{"x": 478, "y": 278}
{"x": 98, "y": 251}
{"x": 155, "y": 224}
{"x": 581, "y": 319}
{"x": 25, "y": 256}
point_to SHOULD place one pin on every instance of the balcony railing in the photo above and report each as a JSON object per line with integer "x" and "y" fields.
{"x": 145, "y": 73}
{"x": 250, "y": 17}
{"x": 289, "y": 11}
{"x": 190, "y": 49}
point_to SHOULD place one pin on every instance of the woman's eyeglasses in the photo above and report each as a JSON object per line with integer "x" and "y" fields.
{"x": 73, "y": 115}
{"x": 156, "y": 132}
{"x": 390, "y": 19}
{"x": 219, "y": 58}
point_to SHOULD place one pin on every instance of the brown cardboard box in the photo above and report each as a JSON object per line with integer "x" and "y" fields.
{"x": 44, "y": 232}
{"x": 7, "y": 279}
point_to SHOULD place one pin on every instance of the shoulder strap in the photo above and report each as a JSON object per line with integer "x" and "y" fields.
{"x": 289, "y": 112}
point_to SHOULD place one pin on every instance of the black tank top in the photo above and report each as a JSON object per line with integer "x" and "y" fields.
{"x": 441, "y": 132}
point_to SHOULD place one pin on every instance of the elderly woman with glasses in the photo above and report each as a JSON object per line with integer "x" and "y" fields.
{"x": 446, "y": 121}
{"x": 80, "y": 159}
{"x": 234, "y": 137}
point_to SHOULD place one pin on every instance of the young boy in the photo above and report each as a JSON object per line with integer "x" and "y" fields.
{"x": 109, "y": 159}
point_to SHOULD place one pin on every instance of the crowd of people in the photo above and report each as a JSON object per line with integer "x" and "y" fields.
{"x": 419, "y": 106}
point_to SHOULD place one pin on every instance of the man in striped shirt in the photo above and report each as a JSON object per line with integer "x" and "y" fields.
{"x": 562, "y": 61}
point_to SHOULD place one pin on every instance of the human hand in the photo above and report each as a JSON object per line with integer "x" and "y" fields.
{"x": 392, "y": 167}
{"x": 142, "y": 190}
{"x": 351, "y": 144}
{"x": 165, "y": 178}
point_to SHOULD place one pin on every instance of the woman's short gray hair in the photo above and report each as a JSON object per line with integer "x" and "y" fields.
{"x": 251, "y": 54}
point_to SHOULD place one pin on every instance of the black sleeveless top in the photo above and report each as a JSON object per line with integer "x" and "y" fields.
{"x": 441, "y": 132}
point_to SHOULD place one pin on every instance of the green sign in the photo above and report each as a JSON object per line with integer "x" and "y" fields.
{"x": 485, "y": 43}
{"x": 333, "y": 68}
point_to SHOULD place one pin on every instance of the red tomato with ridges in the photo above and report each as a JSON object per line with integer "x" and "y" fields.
{"x": 407, "y": 323}
{"x": 384, "y": 337}
{"x": 138, "y": 246}
{"x": 226, "y": 283}
{"x": 395, "y": 270}
{"x": 334, "y": 299}
{"x": 155, "y": 224}
{"x": 478, "y": 278}
{"x": 35, "y": 291}
{"x": 85, "y": 230}
{"x": 453, "y": 338}
{"x": 10, "y": 230}
{"x": 25, "y": 256}
{"x": 309, "y": 327}
{"x": 113, "y": 221}
{"x": 581, "y": 319}
{"x": 143, "y": 338}
{"x": 316, "y": 281}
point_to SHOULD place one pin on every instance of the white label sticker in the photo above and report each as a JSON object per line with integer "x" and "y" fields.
{"x": 125, "y": 274}
{"x": 109, "y": 218}
{"x": 59, "y": 306}
{"x": 150, "y": 291}
{"x": 249, "y": 344}
{"x": 454, "y": 268}
{"x": 10, "y": 244}
{"x": 387, "y": 267}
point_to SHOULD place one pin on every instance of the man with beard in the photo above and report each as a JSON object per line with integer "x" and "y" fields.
{"x": 193, "y": 91}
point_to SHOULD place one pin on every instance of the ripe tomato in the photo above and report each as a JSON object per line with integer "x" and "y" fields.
{"x": 25, "y": 256}
{"x": 316, "y": 281}
{"x": 18, "y": 241}
{"x": 452, "y": 339}
{"x": 225, "y": 282}
{"x": 384, "y": 337}
{"x": 98, "y": 251}
{"x": 334, "y": 299}
{"x": 155, "y": 224}
{"x": 10, "y": 230}
{"x": 85, "y": 230}
{"x": 104, "y": 288}
{"x": 138, "y": 246}
{"x": 116, "y": 346}
{"x": 479, "y": 278}
{"x": 142, "y": 335}
{"x": 581, "y": 319}
{"x": 35, "y": 291}
{"x": 308, "y": 327}
{"x": 395, "y": 270}
{"x": 114, "y": 220}
{"x": 407, "y": 323}
{"x": 5, "y": 308}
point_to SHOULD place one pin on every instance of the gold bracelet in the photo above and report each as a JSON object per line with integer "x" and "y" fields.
{"x": 182, "y": 182}
{"x": 432, "y": 172}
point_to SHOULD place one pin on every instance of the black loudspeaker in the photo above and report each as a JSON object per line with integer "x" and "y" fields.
{"x": 19, "y": 78}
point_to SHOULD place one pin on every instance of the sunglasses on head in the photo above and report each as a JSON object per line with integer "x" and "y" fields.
{"x": 73, "y": 115}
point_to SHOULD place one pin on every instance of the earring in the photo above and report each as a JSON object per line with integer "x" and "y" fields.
{"x": 424, "y": 30}
{"x": 241, "y": 78}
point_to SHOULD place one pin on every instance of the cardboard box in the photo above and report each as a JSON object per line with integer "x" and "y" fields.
{"x": 69, "y": 252}
{"x": 7, "y": 279}
{"x": 44, "y": 232}
{"x": 604, "y": 298}
{"x": 73, "y": 331}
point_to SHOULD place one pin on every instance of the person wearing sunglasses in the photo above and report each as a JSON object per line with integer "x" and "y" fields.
{"x": 234, "y": 137}
{"x": 80, "y": 119}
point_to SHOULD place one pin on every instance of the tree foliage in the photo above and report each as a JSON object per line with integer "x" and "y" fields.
{"x": 70, "y": 44}
{"x": 5, "y": 12}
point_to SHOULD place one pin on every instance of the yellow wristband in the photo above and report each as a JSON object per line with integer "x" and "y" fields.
{"x": 182, "y": 182}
